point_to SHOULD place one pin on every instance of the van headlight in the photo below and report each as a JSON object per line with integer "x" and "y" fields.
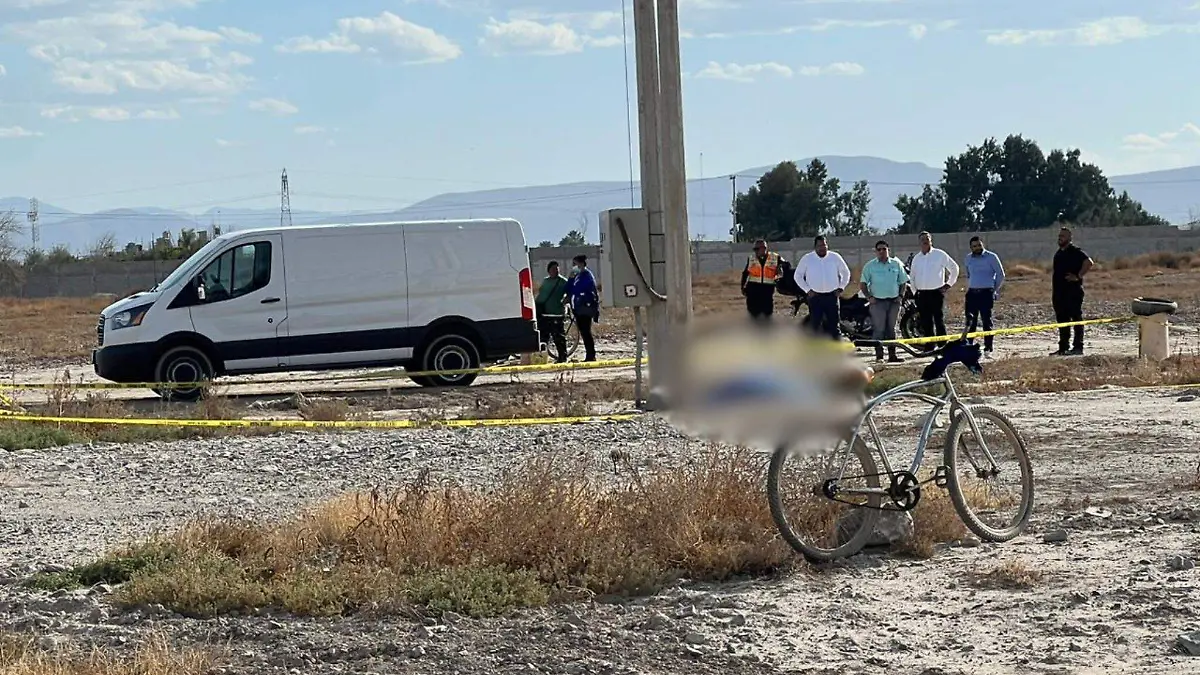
{"x": 130, "y": 317}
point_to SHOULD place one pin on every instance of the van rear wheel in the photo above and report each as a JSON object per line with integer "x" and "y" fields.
{"x": 448, "y": 352}
{"x": 183, "y": 365}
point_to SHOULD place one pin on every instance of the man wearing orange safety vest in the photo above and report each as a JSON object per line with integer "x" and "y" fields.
{"x": 758, "y": 281}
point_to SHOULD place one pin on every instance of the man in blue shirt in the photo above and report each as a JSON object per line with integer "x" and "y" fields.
{"x": 985, "y": 275}
{"x": 883, "y": 281}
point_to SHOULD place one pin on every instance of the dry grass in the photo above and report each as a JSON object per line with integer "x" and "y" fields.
{"x": 552, "y": 531}
{"x": 48, "y": 331}
{"x": 1051, "y": 374}
{"x": 20, "y": 655}
{"x": 324, "y": 409}
{"x": 545, "y": 533}
{"x": 934, "y": 522}
{"x": 59, "y": 330}
{"x": 563, "y": 398}
{"x": 1009, "y": 575}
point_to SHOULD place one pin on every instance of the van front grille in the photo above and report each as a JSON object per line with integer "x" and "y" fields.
{"x": 100, "y": 332}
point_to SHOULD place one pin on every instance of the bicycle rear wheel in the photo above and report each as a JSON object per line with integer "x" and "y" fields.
{"x": 975, "y": 483}
{"x": 820, "y": 528}
{"x": 571, "y": 335}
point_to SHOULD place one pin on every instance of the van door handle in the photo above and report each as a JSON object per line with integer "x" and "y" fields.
{"x": 269, "y": 301}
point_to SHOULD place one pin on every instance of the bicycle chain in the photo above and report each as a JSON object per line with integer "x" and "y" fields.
{"x": 904, "y": 501}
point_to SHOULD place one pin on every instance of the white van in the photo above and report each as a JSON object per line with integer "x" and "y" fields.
{"x": 428, "y": 296}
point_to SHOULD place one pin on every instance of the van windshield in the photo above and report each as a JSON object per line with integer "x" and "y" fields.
{"x": 188, "y": 267}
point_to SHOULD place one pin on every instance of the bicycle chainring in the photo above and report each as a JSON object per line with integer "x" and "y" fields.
{"x": 905, "y": 490}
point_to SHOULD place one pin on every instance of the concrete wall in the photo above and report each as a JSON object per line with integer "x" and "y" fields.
{"x": 1104, "y": 244}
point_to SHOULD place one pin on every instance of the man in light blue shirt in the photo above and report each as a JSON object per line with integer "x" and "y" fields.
{"x": 883, "y": 280}
{"x": 985, "y": 275}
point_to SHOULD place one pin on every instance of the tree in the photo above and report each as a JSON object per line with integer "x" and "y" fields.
{"x": 1013, "y": 185}
{"x": 10, "y": 268}
{"x": 105, "y": 246}
{"x": 787, "y": 203}
{"x": 60, "y": 255}
{"x": 853, "y": 211}
{"x": 573, "y": 238}
{"x": 545, "y": 243}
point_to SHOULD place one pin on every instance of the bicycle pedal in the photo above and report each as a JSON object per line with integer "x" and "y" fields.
{"x": 941, "y": 476}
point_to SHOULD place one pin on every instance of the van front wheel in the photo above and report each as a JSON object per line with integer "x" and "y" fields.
{"x": 451, "y": 353}
{"x": 183, "y": 366}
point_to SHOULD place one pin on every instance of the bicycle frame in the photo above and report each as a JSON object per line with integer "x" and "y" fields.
{"x": 937, "y": 404}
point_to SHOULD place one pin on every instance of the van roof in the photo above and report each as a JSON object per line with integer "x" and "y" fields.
{"x": 323, "y": 226}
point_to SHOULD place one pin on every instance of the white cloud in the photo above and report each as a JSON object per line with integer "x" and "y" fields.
{"x": 18, "y": 132}
{"x": 110, "y": 113}
{"x": 1188, "y": 134}
{"x": 384, "y": 34}
{"x": 753, "y": 71}
{"x": 3, "y": 71}
{"x": 825, "y": 25}
{"x": 158, "y": 114}
{"x": 112, "y": 46}
{"x": 308, "y": 129}
{"x": 841, "y": 68}
{"x": 240, "y": 36}
{"x": 1101, "y": 32}
{"x": 274, "y": 106}
{"x": 111, "y": 76}
{"x": 530, "y": 37}
{"x": 223, "y": 143}
{"x": 743, "y": 73}
{"x": 584, "y": 22}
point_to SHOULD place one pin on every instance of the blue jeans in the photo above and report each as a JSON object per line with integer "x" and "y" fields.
{"x": 823, "y": 308}
{"x": 979, "y": 306}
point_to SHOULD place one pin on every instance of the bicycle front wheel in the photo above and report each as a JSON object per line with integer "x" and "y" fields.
{"x": 993, "y": 490}
{"x": 820, "y": 528}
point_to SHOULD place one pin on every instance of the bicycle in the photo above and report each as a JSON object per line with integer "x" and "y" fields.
{"x": 570, "y": 332}
{"x": 903, "y": 490}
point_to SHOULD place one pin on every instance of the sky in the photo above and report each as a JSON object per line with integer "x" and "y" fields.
{"x": 375, "y": 104}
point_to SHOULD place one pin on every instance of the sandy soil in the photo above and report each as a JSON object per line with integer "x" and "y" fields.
{"x": 1111, "y": 600}
{"x": 1113, "y": 340}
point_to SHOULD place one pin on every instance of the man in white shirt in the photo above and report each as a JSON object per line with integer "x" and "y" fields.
{"x": 823, "y": 275}
{"x": 933, "y": 273}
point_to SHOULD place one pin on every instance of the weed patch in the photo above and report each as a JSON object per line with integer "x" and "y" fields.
{"x": 547, "y": 533}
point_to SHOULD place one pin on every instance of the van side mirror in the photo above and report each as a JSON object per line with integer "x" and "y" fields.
{"x": 199, "y": 290}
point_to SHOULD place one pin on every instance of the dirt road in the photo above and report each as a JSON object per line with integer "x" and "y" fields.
{"x": 1114, "y": 340}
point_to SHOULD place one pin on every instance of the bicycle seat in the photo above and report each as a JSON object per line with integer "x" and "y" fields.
{"x": 965, "y": 352}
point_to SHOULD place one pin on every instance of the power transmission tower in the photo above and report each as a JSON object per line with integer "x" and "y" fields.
{"x": 285, "y": 203}
{"x": 35, "y": 231}
{"x": 733, "y": 208}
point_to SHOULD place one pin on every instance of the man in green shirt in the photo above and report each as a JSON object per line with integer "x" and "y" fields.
{"x": 883, "y": 281}
{"x": 550, "y": 310}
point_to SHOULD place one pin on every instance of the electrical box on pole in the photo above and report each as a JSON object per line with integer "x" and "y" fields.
{"x": 623, "y": 285}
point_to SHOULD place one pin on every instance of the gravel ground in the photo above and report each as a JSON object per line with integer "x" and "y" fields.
{"x": 1118, "y": 591}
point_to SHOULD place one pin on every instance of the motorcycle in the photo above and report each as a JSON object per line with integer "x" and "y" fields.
{"x": 854, "y": 315}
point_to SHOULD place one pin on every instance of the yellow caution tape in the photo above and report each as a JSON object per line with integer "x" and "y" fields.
{"x": 404, "y": 374}
{"x": 1009, "y": 331}
{"x": 312, "y": 424}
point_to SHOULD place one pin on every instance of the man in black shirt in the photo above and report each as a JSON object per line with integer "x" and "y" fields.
{"x": 1066, "y": 291}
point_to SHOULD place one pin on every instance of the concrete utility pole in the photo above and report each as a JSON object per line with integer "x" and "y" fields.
{"x": 674, "y": 172}
{"x": 664, "y": 180}
{"x": 645, "y": 35}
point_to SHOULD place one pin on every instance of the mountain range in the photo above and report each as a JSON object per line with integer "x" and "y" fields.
{"x": 550, "y": 211}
